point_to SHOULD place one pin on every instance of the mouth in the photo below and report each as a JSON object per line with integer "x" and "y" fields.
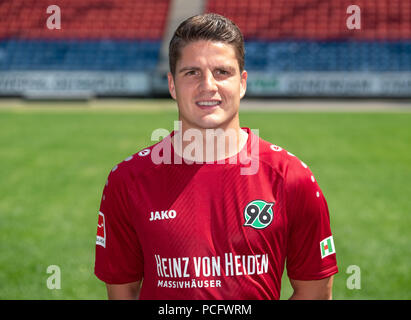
{"x": 208, "y": 104}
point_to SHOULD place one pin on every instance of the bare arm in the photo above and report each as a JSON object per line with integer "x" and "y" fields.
{"x": 127, "y": 291}
{"x": 312, "y": 290}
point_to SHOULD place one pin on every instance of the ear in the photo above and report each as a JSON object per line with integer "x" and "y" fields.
{"x": 171, "y": 85}
{"x": 243, "y": 83}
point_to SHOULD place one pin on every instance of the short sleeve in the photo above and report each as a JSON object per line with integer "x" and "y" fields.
{"x": 310, "y": 246}
{"x": 119, "y": 256}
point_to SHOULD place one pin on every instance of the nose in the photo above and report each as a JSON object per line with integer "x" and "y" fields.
{"x": 208, "y": 82}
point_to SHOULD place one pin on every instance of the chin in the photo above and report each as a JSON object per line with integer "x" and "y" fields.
{"x": 211, "y": 122}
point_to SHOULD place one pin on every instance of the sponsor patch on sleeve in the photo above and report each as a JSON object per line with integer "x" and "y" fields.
{"x": 101, "y": 230}
{"x": 327, "y": 247}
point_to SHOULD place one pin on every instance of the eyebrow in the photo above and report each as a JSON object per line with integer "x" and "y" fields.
{"x": 188, "y": 68}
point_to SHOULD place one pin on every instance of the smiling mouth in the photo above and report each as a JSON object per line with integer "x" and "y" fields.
{"x": 208, "y": 103}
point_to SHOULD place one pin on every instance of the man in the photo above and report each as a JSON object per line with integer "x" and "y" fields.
{"x": 198, "y": 226}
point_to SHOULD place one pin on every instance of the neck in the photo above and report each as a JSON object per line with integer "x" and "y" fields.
{"x": 208, "y": 145}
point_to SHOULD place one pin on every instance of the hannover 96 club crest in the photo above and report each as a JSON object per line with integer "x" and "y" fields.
{"x": 258, "y": 214}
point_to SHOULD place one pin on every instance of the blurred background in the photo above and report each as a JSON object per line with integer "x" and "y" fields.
{"x": 83, "y": 85}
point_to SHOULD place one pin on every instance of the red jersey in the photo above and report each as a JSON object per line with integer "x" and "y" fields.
{"x": 212, "y": 231}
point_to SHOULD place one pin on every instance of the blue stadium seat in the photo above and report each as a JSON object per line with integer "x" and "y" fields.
{"x": 277, "y": 56}
{"x": 328, "y": 56}
{"x": 105, "y": 55}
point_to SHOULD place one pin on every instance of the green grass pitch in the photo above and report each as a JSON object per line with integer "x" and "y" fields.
{"x": 54, "y": 163}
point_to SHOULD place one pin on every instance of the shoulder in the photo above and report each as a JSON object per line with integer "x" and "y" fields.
{"x": 289, "y": 166}
{"x": 302, "y": 192}
{"x": 132, "y": 166}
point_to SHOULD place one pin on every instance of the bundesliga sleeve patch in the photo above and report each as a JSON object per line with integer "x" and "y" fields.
{"x": 327, "y": 247}
{"x": 101, "y": 230}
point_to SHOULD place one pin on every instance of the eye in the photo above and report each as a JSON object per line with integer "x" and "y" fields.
{"x": 191, "y": 73}
{"x": 222, "y": 72}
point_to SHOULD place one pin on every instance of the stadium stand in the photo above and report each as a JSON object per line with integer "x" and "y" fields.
{"x": 293, "y": 47}
{"x": 311, "y": 35}
{"x": 96, "y": 35}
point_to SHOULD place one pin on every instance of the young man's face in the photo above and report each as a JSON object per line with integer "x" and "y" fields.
{"x": 208, "y": 85}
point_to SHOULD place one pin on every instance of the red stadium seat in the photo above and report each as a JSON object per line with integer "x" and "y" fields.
{"x": 316, "y": 19}
{"x": 96, "y": 19}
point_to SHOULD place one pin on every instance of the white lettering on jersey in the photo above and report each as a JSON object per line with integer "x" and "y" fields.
{"x": 162, "y": 215}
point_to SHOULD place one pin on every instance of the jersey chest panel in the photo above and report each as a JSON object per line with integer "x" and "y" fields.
{"x": 200, "y": 211}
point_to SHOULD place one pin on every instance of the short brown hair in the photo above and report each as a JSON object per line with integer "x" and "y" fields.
{"x": 209, "y": 26}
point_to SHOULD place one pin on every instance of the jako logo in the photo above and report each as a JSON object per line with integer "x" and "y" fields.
{"x": 163, "y": 214}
